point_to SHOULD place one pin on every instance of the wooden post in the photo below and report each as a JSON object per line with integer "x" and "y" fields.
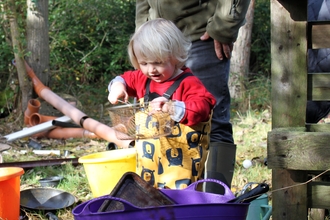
{"x": 289, "y": 98}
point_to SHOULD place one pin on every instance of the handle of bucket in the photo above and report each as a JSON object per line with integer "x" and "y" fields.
{"x": 228, "y": 193}
{"x": 99, "y": 201}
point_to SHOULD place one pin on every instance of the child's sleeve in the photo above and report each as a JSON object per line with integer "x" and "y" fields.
{"x": 198, "y": 102}
{"x": 116, "y": 79}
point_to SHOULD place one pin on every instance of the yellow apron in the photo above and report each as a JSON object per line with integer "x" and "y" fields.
{"x": 175, "y": 160}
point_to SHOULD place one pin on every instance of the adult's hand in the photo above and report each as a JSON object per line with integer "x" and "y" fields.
{"x": 221, "y": 49}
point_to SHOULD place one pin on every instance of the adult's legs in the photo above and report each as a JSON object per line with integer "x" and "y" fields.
{"x": 214, "y": 74}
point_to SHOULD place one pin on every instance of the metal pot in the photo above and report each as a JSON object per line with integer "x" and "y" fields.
{"x": 46, "y": 199}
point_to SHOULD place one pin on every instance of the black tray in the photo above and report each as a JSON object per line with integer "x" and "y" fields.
{"x": 132, "y": 188}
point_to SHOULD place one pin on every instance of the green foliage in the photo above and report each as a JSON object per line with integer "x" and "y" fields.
{"x": 88, "y": 39}
{"x": 6, "y": 52}
{"x": 6, "y": 49}
{"x": 8, "y": 84}
{"x": 257, "y": 84}
{"x": 258, "y": 94}
{"x": 5, "y": 103}
{"x": 88, "y": 46}
{"x": 260, "y": 49}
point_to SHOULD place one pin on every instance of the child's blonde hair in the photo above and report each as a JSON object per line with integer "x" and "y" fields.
{"x": 159, "y": 40}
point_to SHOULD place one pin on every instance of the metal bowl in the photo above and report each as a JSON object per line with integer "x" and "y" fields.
{"x": 46, "y": 199}
{"x": 52, "y": 181}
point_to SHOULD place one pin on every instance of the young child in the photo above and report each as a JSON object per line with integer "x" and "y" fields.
{"x": 158, "y": 51}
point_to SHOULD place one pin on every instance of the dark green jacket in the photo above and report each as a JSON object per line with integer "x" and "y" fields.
{"x": 220, "y": 18}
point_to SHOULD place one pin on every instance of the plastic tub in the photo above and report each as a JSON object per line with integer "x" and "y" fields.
{"x": 105, "y": 169}
{"x": 10, "y": 182}
{"x": 209, "y": 211}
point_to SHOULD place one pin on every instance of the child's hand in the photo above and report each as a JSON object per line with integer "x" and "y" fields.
{"x": 161, "y": 104}
{"x": 118, "y": 90}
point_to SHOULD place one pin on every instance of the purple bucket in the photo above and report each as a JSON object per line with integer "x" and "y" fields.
{"x": 210, "y": 211}
{"x": 190, "y": 195}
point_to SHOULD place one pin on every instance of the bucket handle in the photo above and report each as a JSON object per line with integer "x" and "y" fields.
{"x": 86, "y": 210}
{"x": 228, "y": 193}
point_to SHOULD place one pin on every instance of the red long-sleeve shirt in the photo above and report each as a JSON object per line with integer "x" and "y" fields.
{"x": 198, "y": 101}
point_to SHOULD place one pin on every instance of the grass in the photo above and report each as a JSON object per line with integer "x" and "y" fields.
{"x": 250, "y": 134}
{"x": 74, "y": 181}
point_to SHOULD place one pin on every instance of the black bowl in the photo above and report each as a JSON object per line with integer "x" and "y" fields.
{"x": 46, "y": 199}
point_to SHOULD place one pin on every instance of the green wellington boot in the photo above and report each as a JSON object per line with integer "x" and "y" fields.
{"x": 219, "y": 165}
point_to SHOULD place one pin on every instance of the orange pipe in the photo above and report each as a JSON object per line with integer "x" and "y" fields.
{"x": 55, "y": 133}
{"x": 101, "y": 130}
{"x": 32, "y": 107}
{"x": 58, "y": 132}
{"x": 65, "y": 133}
{"x": 36, "y": 119}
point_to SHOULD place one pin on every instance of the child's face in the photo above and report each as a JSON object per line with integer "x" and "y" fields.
{"x": 157, "y": 71}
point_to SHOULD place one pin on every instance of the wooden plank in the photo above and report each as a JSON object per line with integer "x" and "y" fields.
{"x": 315, "y": 213}
{"x": 289, "y": 203}
{"x": 319, "y": 86}
{"x": 298, "y": 150}
{"x": 318, "y": 127}
{"x": 318, "y": 194}
{"x": 289, "y": 65}
{"x": 320, "y": 34}
{"x": 289, "y": 98}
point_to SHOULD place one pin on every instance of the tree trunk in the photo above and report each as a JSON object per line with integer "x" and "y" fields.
{"x": 38, "y": 39}
{"x": 25, "y": 86}
{"x": 240, "y": 61}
